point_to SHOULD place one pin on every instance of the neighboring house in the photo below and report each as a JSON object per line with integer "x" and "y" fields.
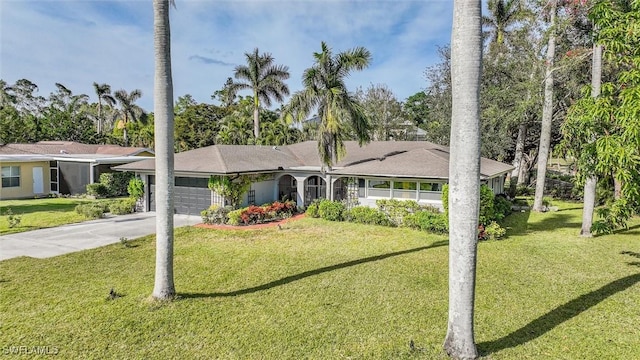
{"x": 59, "y": 167}
{"x": 411, "y": 170}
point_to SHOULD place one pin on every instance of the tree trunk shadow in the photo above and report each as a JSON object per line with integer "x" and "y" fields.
{"x": 302, "y": 275}
{"x": 557, "y": 316}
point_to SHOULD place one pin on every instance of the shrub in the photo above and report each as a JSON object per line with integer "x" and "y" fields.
{"x": 502, "y": 207}
{"x": 260, "y": 214}
{"x": 93, "y": 210}
{"x": 116, "y": 183}
{"x": 234, "y": 217}
{"x": 98, "y": 190}
{"x": 216, "y": 214}
{"x": 396, "y": 209}
{"x": 136, "y": 188}
{"x": 312, "y": 210}
{"x": 367, "y": 215}
{"x": 331, "y": 210}
{"x": 123, "y": 206}
{"x": 494, "y": 231}
{"x": 487, "y": 210}
{"x": 427, "y": 221}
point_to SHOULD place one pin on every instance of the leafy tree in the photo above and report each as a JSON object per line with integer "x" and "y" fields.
{"x": 129, "y": 111}
{"x": 384, "y": 111}
{"x": 197, "y": 125}
{"x": 602, "y": 131}
{"x": 416, "y": 108}
{"x": 264, "y": 78}
{"x": 326, "y": 91}
{"x": 437, "y": 124}
{"x": 236, "y": 127}
{"x": 464, "y": 176}
{"x": 66, "y": 118}
{"x": 226, "y": 96}
{"x": 275, "y": 131}
{"x": 164, "y": 288}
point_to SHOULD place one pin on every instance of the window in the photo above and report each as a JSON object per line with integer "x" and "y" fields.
{"x": 379, "y": 188}
{"x": 10, "y": 176}
{"x": 435, "y": 186}
{"x": 404, "y": 185}
{"x": 379, "y": 184}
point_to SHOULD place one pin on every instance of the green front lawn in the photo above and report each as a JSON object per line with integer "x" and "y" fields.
{"x": 322, "y": 290}
{"x": 40, "y": 213}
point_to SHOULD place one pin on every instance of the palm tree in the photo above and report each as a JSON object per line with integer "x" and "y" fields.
{"x": 591, "y": 181}
{"x": 264, "y": 78}
{"x": 129, "y": 111}
{"x": 464, "y": 176}
{"x": 547, "y": 111}
{"x": 503, "y": 15}
{"x": 326, "y": 91}
{"x": 103, "y": 91}
{"x": 164, "y": 287}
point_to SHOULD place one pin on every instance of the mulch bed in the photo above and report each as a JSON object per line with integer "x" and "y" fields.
{"x": 250, "y": 227}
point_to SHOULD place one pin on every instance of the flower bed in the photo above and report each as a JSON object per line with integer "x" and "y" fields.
{"x": 250, "y": 215}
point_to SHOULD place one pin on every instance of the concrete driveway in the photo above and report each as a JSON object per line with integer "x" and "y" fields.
{"x": 65, "y": 239}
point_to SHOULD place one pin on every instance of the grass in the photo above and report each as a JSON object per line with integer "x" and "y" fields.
{"x": 40, "y": 213}
{"x": 321, "y": 290}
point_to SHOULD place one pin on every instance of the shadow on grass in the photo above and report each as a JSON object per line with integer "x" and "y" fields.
{"x": 635, "y": 255}
{"x": 306, "y": 274}
{"x": 554, "y": 221}
{"x": 516, "y": 223}
{"x": 628, "y": 231}
{"x": 571, "y": 208}
{"x": 557, "y": 316}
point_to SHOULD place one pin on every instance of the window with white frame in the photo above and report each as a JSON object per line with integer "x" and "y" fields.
{"x": 379, "y": 188}
{"x": 10, "y": 176}
{"x": 405, "y": 189}
{"x": 431, "y": 186}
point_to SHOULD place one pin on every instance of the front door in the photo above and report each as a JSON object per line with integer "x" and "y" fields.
{"x": 38, "y": 180}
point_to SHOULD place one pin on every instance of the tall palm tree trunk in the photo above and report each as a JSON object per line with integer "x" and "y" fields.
{"x": 99, "y": 124}
{"x": 547, "y": 113}
{"x": 464, "y": 176}
{"x": 517, "y": 161}
{"x": 163, "y": 109}
{"x": 256, "y": 122}
{"x": 592, "y": 181}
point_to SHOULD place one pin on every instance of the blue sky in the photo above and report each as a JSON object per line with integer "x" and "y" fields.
{"x": 78, "y": 42}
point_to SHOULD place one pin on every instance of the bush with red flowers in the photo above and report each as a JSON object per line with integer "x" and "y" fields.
{"x": 261, "y": 214}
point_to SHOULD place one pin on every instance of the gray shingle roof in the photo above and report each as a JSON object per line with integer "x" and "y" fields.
{"x": 419, "y": 159}
{"x": 68, "y": 147}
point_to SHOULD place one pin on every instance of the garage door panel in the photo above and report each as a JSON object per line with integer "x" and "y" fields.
{"x": 187, "y": 200}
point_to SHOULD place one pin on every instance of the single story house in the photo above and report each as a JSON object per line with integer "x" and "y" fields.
{"x": 59, "y": 167}
{"x": 414, "y": 170}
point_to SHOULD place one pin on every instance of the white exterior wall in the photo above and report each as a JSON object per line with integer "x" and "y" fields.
{"x": 264, "y": 191}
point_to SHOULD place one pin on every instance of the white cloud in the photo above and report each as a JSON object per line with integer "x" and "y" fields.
{"x": 79, "y": 42}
